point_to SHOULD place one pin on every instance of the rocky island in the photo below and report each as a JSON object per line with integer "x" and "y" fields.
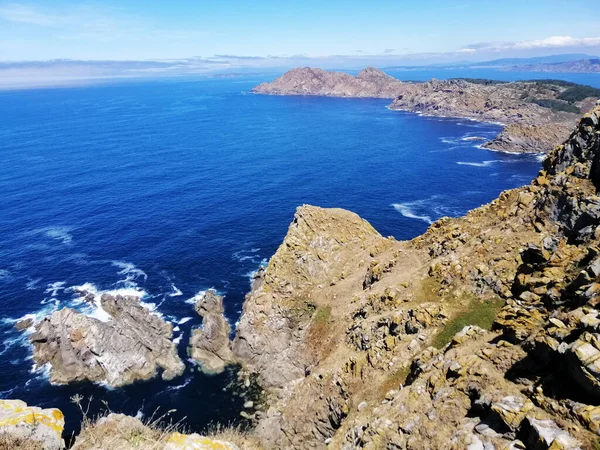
{"x": 537, "y": 114}
{"x": 132, "y": 345}
{"x": 483, "y": 333}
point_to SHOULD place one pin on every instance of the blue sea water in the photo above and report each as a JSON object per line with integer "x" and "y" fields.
{"x": 168, "y": 188}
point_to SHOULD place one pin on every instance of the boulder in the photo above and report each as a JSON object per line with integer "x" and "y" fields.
{"x": 134, "y": 344}
{"x": 20, "y": 422}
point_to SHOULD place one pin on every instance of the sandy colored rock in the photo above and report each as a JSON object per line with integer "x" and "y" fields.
{"x": 31, "y": 423}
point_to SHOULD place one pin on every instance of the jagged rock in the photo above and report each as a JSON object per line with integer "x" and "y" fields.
{"x": 584, "y": 359}
{"x": 545, "y": 435}
{"x": 23, "y": 324}
{"x": 210, "y": 345}
{"x": 30, "y": 423}
{"x": 133, "y": 345}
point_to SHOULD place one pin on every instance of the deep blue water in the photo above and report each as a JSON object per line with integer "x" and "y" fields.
{"x": 169, "y": 188}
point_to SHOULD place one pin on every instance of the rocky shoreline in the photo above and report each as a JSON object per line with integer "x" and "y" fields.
{"x": 535, "y": 116}
{"x": 483, "y": 333}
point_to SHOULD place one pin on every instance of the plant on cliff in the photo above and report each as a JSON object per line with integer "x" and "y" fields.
{"x": 480, "y": 313}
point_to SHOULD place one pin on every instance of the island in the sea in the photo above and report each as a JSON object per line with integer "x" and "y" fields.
{"x": 536, "y": 114}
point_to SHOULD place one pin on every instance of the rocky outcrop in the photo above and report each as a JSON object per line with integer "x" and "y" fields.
{"x": 482, "y": 333}
{"x": 320, "y": 246}
{"x": 133, "y": 345}
{"x": 534, "y": 113}
{"x": 369, "y": 82}
{"x": 210, "y": 345}
{"x": 22, "y": 424}
{"x": 534, "y": 138}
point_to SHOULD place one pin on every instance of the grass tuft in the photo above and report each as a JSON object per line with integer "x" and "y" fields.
{"x": 480, "y": 313}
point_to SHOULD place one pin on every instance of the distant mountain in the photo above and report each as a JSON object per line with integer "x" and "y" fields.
{"x": 580, "y": 66}
{"x": 504, "y": 62}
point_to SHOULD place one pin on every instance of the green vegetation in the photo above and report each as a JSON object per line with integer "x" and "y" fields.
{"x": 477, "y": 313}
{"x": 556, "y": 105}
{"x": 578, "y": 93}
{"x": 560, "y": 83}
{"x": 394, "y": 380}
{"x": 483, "y": 81}
{"x": 322, "y": 315}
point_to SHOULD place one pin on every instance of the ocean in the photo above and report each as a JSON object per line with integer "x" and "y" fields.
{"x": 166, "y": 188}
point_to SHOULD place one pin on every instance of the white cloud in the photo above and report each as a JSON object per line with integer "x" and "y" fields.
{"x": 549, "y": 43}
{"x": 20, "y": 13}
{"x": 559, "y": 41}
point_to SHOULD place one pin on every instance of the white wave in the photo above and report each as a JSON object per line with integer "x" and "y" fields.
{"x": 199, "y": 295}
{"x": 406, "y": 211}
{"x": 177, "y": 340}
{"x": 184, "y": 320}
{"x": 468, "y": 138}
{"x": 4, "y": 274}
{"x": 176, "y": 329}
{"x": 176, "y": 291}
{"x": 131, "y": 272}
{"x": 61, "y": 234}
{"x": 252, "y": 274}
{"x": 246, "y": 255}
{"x": 32, "y": 285}
{"x": 94, "y": 309}
{"x": 139, "y": 415}
{"x": 42, "y": 371}
{"x": 179, "y": 386}
{"x": 477, "y": 164}
{"x": 54, "y": 288}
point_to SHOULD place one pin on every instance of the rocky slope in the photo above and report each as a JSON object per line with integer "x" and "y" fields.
{"x": 133, "y": 345}
{"x": 482, "y": 333}
{"x": 534, "y": 112}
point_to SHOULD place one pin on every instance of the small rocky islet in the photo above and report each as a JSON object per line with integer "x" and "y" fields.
{"x": 483, "y": 333}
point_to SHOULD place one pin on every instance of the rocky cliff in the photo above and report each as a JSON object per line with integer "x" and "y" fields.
{"x": 537, "y": 114}
{"x": 482, "y": 333}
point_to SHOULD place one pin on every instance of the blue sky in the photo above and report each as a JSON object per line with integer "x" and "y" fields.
{"x": 415, "y": 31}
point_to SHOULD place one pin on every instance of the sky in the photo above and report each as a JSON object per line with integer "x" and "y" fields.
{"x": 228, "y": 34}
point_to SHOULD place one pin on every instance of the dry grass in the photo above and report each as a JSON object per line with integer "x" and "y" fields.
{"x": 8, "y": 442}
{"x": 119, "y": 432}
{"x": 393, "y": 381}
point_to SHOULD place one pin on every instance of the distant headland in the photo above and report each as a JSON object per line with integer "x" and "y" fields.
{"x": 537, "y": 114}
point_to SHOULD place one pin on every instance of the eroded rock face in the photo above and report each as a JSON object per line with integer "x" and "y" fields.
{"x": 359, "y": 313}
{"x": 133, "y": 345}
{"x": 278, "y": 311}
{"x": 210, "y": 345}
{"x": 31, "y": 424}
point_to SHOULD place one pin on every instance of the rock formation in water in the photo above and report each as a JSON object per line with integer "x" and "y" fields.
{"x": 210, "y": 345}
{"x": 133, "y": 345}
{"x": 537, "y": 114}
